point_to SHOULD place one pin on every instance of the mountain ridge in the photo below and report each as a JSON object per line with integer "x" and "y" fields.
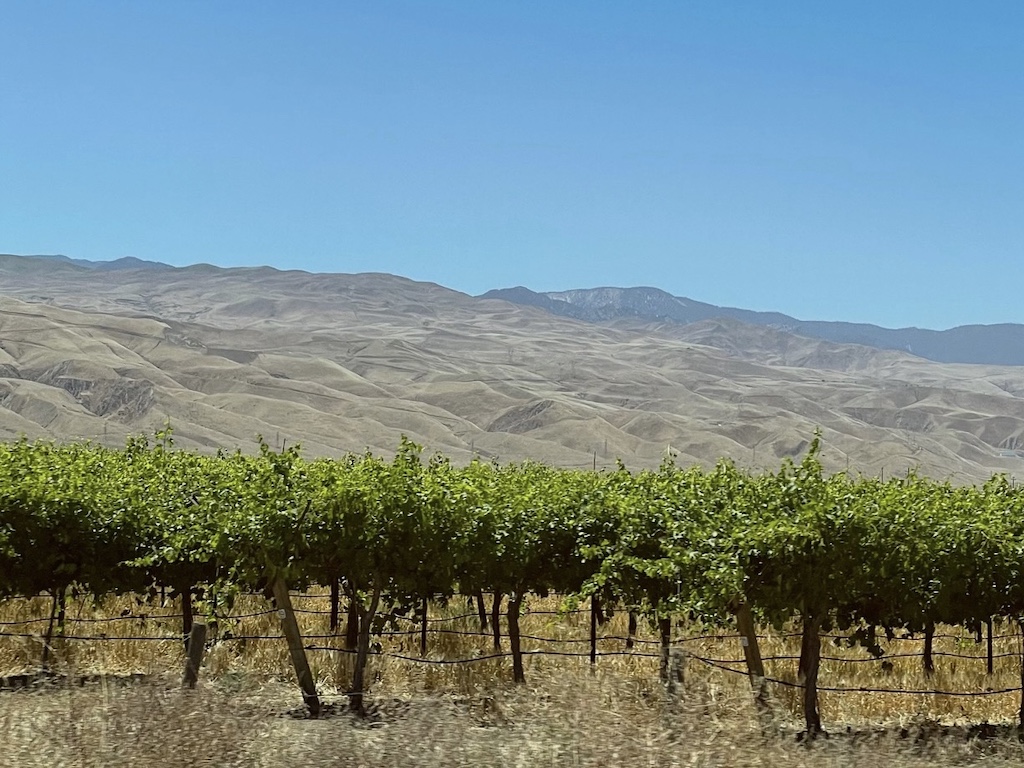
{"x": 997, "y": 344}
{"x": 981, "y": 344}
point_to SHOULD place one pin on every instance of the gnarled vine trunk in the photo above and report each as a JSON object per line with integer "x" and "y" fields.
{"x": 810, "y": 660}
{"x": 366, "y": 616}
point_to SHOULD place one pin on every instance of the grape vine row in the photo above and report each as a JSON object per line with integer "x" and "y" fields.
{"x": 838, "y": 553}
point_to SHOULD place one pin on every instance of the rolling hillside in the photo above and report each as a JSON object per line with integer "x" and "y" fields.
{"x": 349, "y": 362}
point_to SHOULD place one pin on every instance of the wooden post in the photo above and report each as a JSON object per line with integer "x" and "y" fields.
{"x": 48, "y": 641}
{"x": 752, "y": 654}
{"x": 214, "y": 602}
{"x": 352, "y": 619}
{"x": 631, "y": 631}
{"x": 495, "y": 626}
{"x": 988, "y": 626}
{"x": 810, "y": 659}
{"x": 665, "y": 632}
{"x": 482, "y": 610}
{"x": 62, "y": 611}
{"x": 423, "y": 629}
{"x": 929, "y": 642}
{"x": 595, "y": 608}
{"x": 186, "y": 615}
{"x": 298, "y": 653}
{"x": 514, "y": 605}
{"x": 335, "y": 599}
{"x": 194, "y": 655}
{"x": 676, "y": 674}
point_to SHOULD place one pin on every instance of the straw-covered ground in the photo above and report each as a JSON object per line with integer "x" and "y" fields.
{"x": 119, "y": 702}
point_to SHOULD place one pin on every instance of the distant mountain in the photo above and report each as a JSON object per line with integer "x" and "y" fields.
{"x": 126, "y": 262}
{"x": 1001, "y": 344}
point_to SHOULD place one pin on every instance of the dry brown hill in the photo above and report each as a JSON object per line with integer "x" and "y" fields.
{"x": 348, "y": 362}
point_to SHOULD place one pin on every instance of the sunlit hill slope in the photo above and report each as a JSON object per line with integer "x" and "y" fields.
{"x": 344, "y": 363}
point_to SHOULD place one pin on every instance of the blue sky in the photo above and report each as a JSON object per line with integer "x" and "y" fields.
{"x": 842, "y": 161}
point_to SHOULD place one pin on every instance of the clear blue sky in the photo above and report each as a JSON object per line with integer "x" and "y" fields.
{"x": 857, "y": 161}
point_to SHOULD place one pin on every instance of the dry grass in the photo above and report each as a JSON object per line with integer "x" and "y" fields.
{"x": 471, "y": 714}
{"x": 561, "y": 719}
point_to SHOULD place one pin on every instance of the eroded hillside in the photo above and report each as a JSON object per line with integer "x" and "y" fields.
{"x": 348, "y": 362}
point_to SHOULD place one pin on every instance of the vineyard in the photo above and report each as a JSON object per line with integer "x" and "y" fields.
{"x": 863, "y": 562}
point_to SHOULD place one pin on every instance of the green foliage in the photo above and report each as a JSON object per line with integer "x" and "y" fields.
{"x": 850, "y": 553}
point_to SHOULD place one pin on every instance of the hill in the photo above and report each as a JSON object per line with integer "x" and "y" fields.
{"x": 1001, "y": 344}
{"x": 347, "y": 362}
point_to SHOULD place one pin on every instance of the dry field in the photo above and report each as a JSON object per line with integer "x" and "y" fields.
{"x": 247, "y": 712}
